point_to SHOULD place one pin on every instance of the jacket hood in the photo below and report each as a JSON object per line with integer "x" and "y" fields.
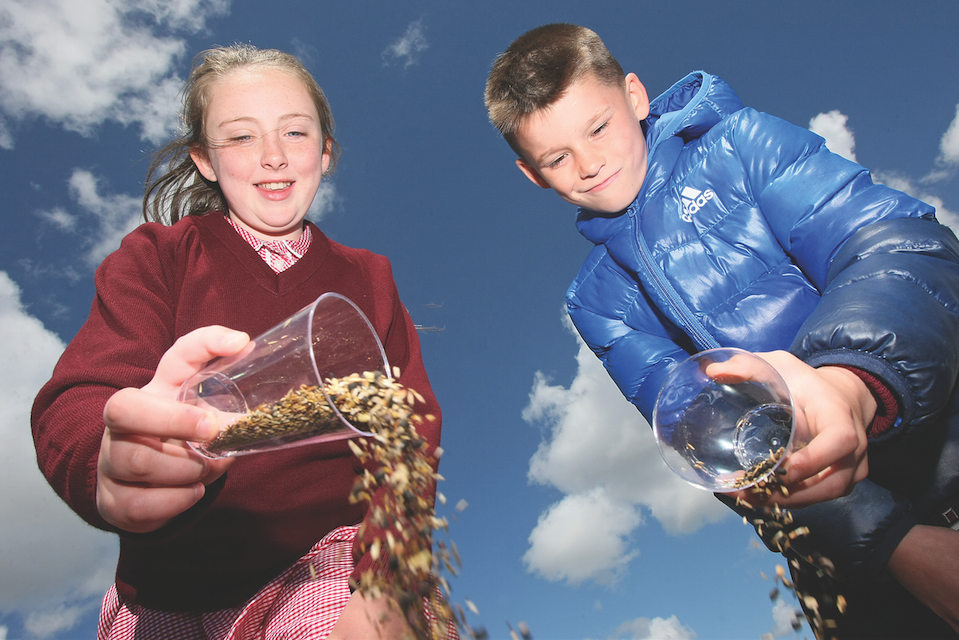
{"x": 690, "y": 108}
{"x": 684, "y": 112}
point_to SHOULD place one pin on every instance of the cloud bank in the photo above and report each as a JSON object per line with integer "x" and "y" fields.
{"x": 80, "y": 63}
{"x": 600, "y": 452}
{"x": 61, "y": 566}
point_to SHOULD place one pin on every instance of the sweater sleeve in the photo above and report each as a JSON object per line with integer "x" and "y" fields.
{"x": 129, "y": 328}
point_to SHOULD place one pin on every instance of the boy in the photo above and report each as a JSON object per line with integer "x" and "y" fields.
{"x": 716, "y": 225}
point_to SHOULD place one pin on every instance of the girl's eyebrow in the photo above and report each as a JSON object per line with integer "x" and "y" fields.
{"x": 288, "y": 116}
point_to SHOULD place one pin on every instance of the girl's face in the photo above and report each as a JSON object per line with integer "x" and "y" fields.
{"x": 266, "y": 150}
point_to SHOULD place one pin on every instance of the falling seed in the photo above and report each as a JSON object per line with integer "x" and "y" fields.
{"x": 524, "y": 631}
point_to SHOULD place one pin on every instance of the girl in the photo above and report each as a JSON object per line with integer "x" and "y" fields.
{"x": 223, "y": 548}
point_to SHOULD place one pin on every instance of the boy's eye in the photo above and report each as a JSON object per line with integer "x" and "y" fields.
{"x": 601, "y": 128}
{"x": 558, "y": 161}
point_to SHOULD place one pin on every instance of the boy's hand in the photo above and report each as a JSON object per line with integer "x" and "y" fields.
{"x": 146, "y": 473}
{"x": 835, "y": 407}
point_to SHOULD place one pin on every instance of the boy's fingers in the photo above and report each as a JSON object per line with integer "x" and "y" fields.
{"x": 819, "y": 489}
{"x": 733, "y": 371}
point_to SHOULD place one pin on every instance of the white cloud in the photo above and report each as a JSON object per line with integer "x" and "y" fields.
{"x": 785, "y": 615}
{"x": 840, "y": 140}
{"x": 115, "y": 215}
{"x": 83, "y": 62}
{"x": 46, "y": 623}
{"x": 61, "y": 566}
{"x": 901, "y": 183}
{"x": 326, "y": 198}
{"x": 600, "y": 452}
{"x": 653, "y": 629}
{"x": 59, "y": 218}
{"x": 569, "y": 544}
{"x": 949, "y": 145}
{"x": 408, "y": 47}
{"x": 832, "y": 127}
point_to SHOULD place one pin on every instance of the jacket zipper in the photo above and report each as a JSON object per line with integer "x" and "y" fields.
{"x": 680, "y": 311}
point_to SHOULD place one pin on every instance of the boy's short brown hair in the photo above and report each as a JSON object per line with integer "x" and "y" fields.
{"x": 539, "y": 66}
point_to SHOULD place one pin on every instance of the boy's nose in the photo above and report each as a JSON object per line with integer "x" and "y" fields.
{"x": 590, "y": 164}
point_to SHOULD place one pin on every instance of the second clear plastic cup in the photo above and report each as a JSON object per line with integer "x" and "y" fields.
{"x": 724, "y": 434}
{"x": 272, "y": 394}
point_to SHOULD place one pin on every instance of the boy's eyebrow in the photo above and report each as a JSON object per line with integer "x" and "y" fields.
{"x": 288, "y": 116}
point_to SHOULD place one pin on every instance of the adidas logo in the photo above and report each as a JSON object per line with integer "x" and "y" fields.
{"x": 694, "y": 200}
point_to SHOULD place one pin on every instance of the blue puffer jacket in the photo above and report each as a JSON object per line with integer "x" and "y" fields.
{"x": 749, "y": 233}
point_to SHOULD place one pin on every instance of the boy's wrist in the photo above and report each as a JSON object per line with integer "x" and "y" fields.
{"x": 887, "y": 408}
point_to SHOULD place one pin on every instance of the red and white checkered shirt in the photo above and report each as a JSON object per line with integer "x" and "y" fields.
{"x": 278, "y": 254}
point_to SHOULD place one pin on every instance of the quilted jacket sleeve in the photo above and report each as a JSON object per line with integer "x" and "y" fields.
{"x": 889, "y": 306}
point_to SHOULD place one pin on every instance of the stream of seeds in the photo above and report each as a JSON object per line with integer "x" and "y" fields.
{"x": 775, "y": 525}
{"x": 395, "y": 459}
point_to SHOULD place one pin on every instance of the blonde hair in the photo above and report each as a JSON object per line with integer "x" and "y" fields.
{"x": 174, "y": 186}
{"x": 539, "y": 66}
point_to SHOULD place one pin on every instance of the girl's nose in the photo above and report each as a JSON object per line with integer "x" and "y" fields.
{"x": 273, "y": 155}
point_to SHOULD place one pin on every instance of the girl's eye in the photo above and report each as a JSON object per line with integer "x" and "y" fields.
{"x": 601, "y": 128}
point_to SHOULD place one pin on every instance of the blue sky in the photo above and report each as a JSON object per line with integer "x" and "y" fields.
{"x": 574, "y": 524}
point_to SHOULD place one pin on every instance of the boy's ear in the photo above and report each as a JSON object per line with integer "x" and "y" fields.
{"x": 637, "y": 95}
{"x": 532, "y": 174}
{"x": 202, "y": 162}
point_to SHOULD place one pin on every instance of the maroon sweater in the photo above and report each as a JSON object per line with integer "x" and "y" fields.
{"x": 268, "y": 509}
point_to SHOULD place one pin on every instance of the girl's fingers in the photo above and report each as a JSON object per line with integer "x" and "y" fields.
{"x": 136, "y": 411}
{"x": 142, "y": 509}
{"x": 147, "y": 461}
{"x": 190, "y": 353}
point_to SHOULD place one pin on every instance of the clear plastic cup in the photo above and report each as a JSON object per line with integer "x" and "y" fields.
{"x": 272, "y": 394}
{"x": 726, "y": 432}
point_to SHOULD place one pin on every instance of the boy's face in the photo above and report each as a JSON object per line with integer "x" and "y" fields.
{"x": 588, "y": 146}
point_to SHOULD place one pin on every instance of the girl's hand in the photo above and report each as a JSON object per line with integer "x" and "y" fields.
{"x": 146, "y": 473}
{"x": 835, "y": 407}
{"x": 364, "y": 618}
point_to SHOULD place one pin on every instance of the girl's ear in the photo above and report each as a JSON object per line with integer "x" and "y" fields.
{"x": 327, "y": 155}
{"x": 202, "y": 162}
